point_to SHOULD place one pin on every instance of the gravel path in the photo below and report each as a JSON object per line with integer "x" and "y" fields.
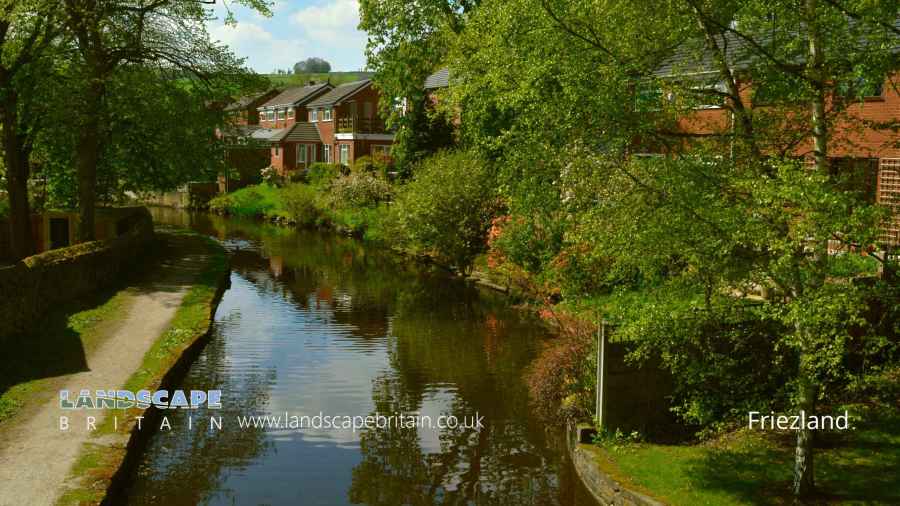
{"x": 35, "y": 455}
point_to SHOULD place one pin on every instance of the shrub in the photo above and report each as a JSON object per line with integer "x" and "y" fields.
{"x": 559, "y": 379}
{"x": 4, "y": 208}
{"x": 447, "y": 209}
{"x": 253, "y": 201}
{"x": 359, "y": 189}
{"x": 321, "y": 174}
{"x": 299, "y": 202}
{"x": 363, "y": 164}
{"x": 270, "y": 175}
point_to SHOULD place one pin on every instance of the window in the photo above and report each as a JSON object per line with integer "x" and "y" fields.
{"x": 312, "y": 153}
{"x": 313, "y": 115}
{"x": 326, "y": 114}
{"x": 301, "y": 153}
{"x": 271, "y": 115}
{"x": 345, "y": 154}
{"x": 290, "y": 113}
{"x": 710, "y": 96}
{"x": 327, "y": 152}
{"x": 277, "y": 151}
{"x": 281, "y": 113}
{"x": 381, "y": 150}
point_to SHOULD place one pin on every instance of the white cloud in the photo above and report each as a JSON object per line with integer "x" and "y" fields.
{"x": 264, "y": 51}
{"x": 332, "y": 24}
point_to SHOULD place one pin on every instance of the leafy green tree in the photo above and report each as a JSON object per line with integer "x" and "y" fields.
{"x": 27, "y": 33}
{"x": 406, "y": 43}
{"x": 168, "y": 35}
{"x": 446, "y": 210}
{"x": 727, "y": 236}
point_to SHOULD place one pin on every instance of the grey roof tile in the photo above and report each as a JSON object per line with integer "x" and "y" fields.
{"x": 297, "y": 95}
{"x": 440, "y": 79}
{"x": 339, "y": 93}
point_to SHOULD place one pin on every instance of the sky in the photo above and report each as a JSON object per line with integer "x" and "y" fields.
{"x": 297, "y": 30}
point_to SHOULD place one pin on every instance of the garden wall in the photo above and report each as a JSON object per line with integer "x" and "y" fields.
{"x": 40, "y": 282}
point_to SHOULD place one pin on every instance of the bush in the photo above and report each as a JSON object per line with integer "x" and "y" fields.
{"x": 4, "y": 208}
{"x": 447, "y": 209}
{"x": 300, "y": 203}
{"x": 270, "y": 175}
{"x": 321, "y": 174}
{"x": 253, "y": 201}
{"x": 363, "y": 164}
{"x": 359, "y": 189}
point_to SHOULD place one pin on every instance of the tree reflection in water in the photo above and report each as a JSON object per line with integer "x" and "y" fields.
{"x": 321, "y": 322}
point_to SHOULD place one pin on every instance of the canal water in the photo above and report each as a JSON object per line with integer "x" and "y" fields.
{"x": 315, "y": 323}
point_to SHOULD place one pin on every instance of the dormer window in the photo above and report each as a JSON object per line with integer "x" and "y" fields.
{"x": 313, "y": 115}
{"x": 326, "y": 114}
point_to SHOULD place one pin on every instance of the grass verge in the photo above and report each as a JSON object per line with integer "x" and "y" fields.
{"x": 858, "y": 466}
{"x": 104, "y": 456}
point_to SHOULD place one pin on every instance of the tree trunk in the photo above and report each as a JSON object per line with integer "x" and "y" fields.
{"x": 804, "y": 481}
{"x": 16, "y": 158}
{"x": 88, "y": 154}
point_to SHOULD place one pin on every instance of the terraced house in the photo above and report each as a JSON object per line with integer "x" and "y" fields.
{"x": 323, "y": 123}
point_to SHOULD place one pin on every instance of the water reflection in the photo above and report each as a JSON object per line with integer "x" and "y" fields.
{"x": 318, "y": 323}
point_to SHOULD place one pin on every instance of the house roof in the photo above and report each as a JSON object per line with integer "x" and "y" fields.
{"x": 246, "y": 101}
{"x": 339, "y": 93}
{"x": 687, "y": 60}
{"x": 267, "y": 134}
{"x": 440, "y": 79}
{"x": 296, "y": 95}
{"x": 241, "y": 131}
{"x": 302, "y": 132}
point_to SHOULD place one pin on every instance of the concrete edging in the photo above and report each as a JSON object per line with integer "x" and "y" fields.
{"x": 604, "y": 488}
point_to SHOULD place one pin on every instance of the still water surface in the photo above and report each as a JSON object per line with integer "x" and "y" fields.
{"x": 317, "y": 323}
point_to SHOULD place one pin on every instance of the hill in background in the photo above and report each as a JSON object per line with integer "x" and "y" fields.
{"x": 336, "y": 78}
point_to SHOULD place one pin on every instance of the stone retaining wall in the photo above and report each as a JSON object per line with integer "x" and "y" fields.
{"x": 36, "y": 284}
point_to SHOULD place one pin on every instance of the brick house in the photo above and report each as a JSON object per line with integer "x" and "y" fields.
{"x": 243, "y": 157}
{"x": 323, "y": 123}
{"x": 872, "y": 152}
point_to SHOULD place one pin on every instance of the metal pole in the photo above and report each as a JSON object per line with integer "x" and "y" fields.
{"x": 601, "y": 372}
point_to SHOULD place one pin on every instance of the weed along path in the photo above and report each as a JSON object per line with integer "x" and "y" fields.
{"x": 36, "y": 454}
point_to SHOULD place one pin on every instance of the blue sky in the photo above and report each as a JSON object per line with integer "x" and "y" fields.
{"x": 298, "y": 29}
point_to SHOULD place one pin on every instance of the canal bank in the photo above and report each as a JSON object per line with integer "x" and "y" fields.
{"x": 149, "y": 327}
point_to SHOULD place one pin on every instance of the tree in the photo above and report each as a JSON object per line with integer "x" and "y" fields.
{"x": 109, "y": 36}
{"x": 27, "y": 32}
{"x": 405, "y": 45}
{"x": 563, "y": 98}
{"x": 312, "y": 65}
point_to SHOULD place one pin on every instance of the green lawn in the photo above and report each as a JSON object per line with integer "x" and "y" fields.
{"x": 860, "y": 466}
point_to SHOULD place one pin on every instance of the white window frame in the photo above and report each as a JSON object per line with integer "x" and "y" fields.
{"x": 326, "y": 114}
{"x": 301, "y": 153}
{"x": 327, "y": 153}
{"x": 270, "y": 114}
{"x": 313, "y": 115}
{"x": 281, "y": 114}
{"x": 313, "y": 148}
{"x": 344, "y": 154}
{"x": 290, "y": 113}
